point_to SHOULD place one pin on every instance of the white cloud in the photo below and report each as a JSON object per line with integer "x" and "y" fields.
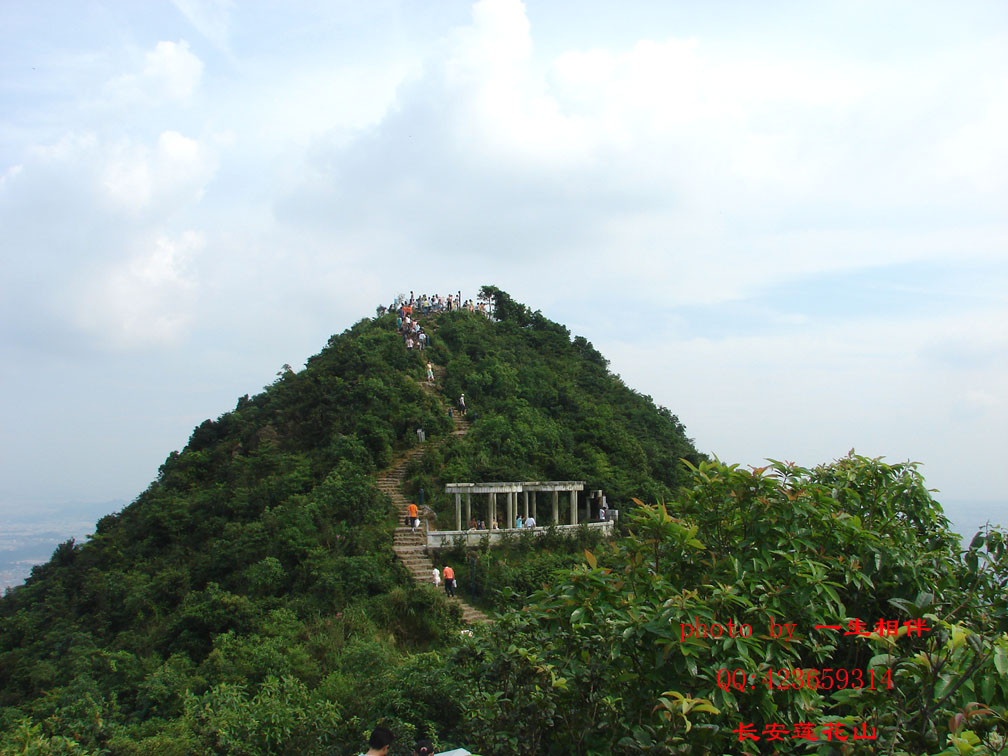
{"x": 716, "y": 173}
{"x": 639, "y": 179}
{"x": 174, "y": 69}
{"x": 211, "y": 18}
{"x": 145, "y": 301}
{"x": 171, "y": 73}
{"x": 86, "y": 173}
{"x": 501, "y": 101}
{"x": 174, "y": 172}
{"x": 126, "y": 177}
{"x": 976, "y": 152}
{"x": 808, "y": 394}
{"x": 103, "y": 241}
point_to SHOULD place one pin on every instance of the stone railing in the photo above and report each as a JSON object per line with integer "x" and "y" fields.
{"x": 443, "y": 539}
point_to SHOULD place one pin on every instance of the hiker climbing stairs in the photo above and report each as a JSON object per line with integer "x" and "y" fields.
{"x": 411, "y": 547}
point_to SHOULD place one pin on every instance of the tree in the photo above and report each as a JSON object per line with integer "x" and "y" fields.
{"x": 703, "y": 622}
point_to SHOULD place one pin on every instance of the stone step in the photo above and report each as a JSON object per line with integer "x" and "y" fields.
{"x": 410, "y": 545}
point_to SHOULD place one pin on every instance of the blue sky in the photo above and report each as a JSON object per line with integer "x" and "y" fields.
{"x": 784, "y": 221}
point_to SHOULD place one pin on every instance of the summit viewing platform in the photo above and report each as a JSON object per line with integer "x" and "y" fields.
{"x": 518, "y": 519}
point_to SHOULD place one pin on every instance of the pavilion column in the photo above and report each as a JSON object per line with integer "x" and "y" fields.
{"x": 556, "y": 507}
{"x": 510, "y": 509}
{"x": 490, "y": 511}
{"x": 468, "y": 508}
{"x": 526, "y": 503}
{"x": 533, "y": 506}
{"x": 574, "y": 512}
{"x": 458, "y": 511}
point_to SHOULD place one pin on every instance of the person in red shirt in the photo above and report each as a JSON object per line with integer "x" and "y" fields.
{"x": 449, "y": 580}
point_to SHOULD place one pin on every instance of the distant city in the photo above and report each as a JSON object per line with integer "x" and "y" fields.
{"x": 26, "y": 541}
{"x": 30, "y": 539}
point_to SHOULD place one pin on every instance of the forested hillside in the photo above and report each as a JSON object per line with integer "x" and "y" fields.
{"x": 245, "y": 599}
{"x": 547, "y": 408}
{"x": 249, "y": 602}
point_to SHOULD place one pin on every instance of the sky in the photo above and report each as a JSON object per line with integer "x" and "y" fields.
{"x": 784, "y": 221}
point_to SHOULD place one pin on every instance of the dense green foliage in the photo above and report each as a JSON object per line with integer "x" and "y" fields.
{"x": 547, "y": 408}
{"x": 608, "y": 662}
{"x": 257, "y": 569}
{"x": 243, "y": 602}
{"x": 503, "y": 576}
{"x": 249, "y": 603}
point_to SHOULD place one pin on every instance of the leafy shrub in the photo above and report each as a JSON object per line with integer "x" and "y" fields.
{"x": 282, "y": 718}
{"x": 605, "y": 660}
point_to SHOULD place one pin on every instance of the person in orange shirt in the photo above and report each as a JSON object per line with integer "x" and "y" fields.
{"x": 414, "y": 520}
{"x": 449, "y": 580}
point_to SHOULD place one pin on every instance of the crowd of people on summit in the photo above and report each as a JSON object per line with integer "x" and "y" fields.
{"x": 425, "y": 304}
{"x": 408, "y": 312}
{"x": 407, "y": 325}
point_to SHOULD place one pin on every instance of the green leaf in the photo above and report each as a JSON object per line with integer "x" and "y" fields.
{"x": 879, "y": 660}
{"x": 987, "y": 687}
{"x": 1001, "y": 660}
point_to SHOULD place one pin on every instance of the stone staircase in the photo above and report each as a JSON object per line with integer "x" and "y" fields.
{"x": 409, "y": 546}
